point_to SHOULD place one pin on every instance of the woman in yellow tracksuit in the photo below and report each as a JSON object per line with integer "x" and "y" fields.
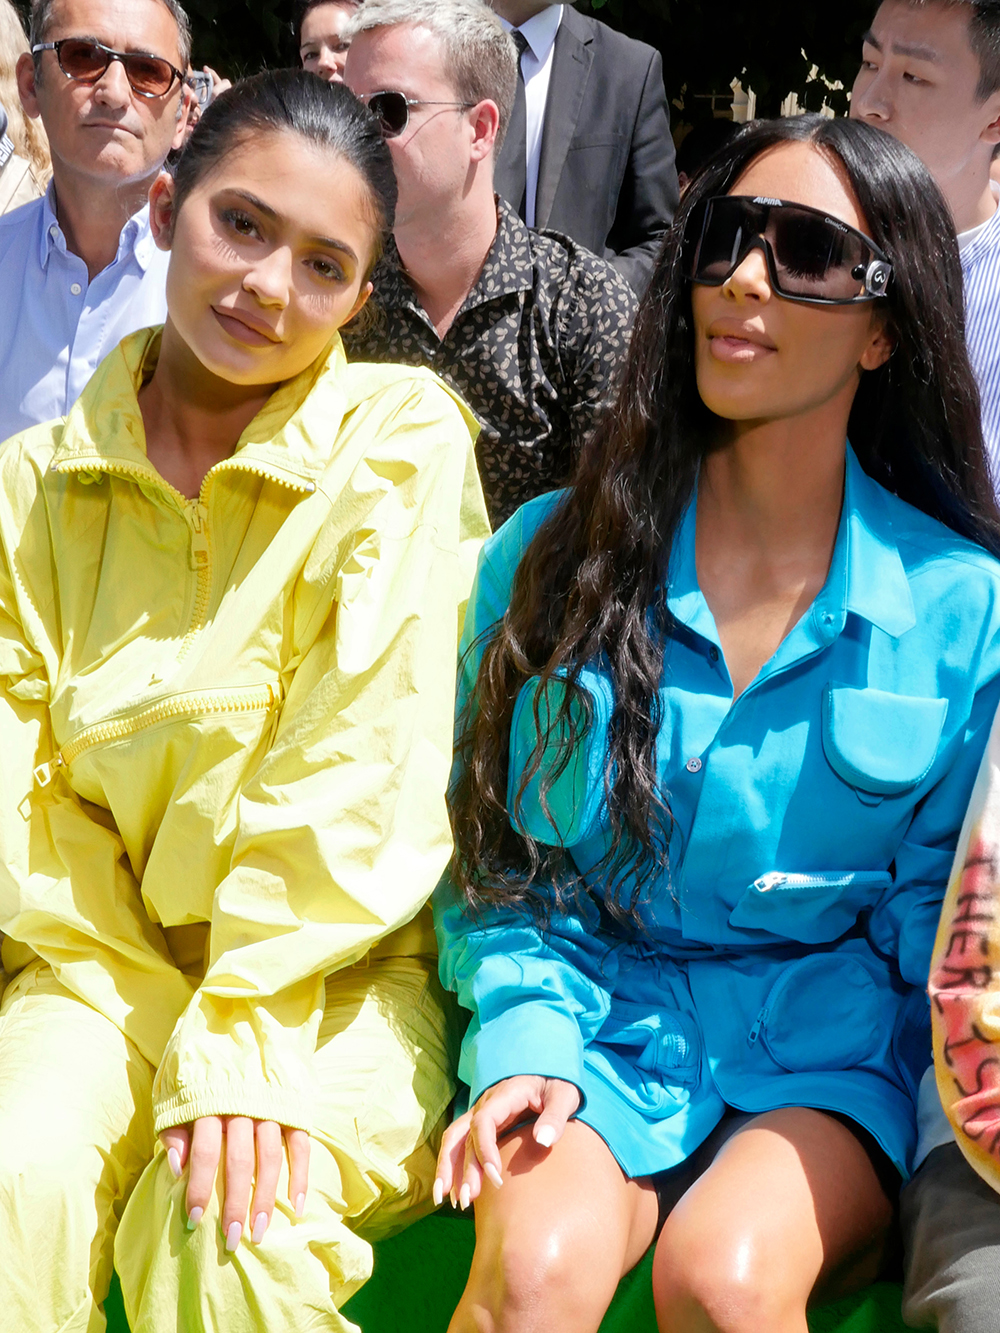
{"x": 231, "y": 584}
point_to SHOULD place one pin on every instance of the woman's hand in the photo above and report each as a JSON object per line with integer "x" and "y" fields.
{"x": 469, "y": 1147}
{"x": 253, "y": 1149}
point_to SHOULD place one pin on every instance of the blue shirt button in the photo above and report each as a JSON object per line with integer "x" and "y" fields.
{"x": 713, "y": 653}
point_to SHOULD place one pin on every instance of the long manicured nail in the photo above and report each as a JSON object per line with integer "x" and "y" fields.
{"x": 174, "y": 1162}
{"x": 453, "y": 1197}
{"x": 493, "y": 1174}
{"x": 194, "y": 1217}
{"x": 300, "y": 1205}
{"x": 259, "y": 1227}
{"x": 438, "y": 1193}
{"x": 545, "y": 1137}
{"x": 464, "y": 1197}
{"x": 233, "y": 1236}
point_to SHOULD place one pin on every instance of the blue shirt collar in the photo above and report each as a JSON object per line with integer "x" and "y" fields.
{"x": 136, "y": 239}
{"x": 866, "y": 577}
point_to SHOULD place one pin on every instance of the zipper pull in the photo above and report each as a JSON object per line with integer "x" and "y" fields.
{"x": 197, "y": 515}
{"x": 44, "y": 773}
{"x": 755, "y": 1031}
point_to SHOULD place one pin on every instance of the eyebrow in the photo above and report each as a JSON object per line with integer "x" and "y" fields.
{"x": 326, "y": 242}
{"x": 911, "y": 49}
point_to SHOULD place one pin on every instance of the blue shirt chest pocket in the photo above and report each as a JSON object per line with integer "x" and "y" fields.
{"x": 880, "y": 744}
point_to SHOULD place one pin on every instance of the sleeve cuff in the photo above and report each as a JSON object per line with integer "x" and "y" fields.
{"x": 525, "y": 1039}
{"x": 255, "y": 1101}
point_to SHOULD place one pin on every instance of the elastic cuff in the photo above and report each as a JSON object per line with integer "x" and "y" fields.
{"x": 255, "y": 1102}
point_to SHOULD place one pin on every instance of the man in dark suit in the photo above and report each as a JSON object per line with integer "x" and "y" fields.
{"x": 589, "y": 152}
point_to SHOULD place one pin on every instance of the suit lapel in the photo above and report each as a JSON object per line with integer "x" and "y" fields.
{"x": 571, "y": 61}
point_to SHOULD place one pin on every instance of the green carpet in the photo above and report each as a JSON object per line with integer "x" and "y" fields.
{"x": 420, "y": 1274}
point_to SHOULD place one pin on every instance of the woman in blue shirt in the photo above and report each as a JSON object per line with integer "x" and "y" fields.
{"x": 726, "y": 698}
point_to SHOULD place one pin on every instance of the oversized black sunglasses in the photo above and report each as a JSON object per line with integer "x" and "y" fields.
{"x": 87, "y": 61}
{"x": 810, "y": 256}
{"x": 392, "y": 110}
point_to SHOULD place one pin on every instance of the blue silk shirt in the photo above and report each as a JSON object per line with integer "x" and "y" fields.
{"x": 787, "y": 948}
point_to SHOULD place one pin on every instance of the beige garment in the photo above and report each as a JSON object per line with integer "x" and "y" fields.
{"x": 17, "y": 184}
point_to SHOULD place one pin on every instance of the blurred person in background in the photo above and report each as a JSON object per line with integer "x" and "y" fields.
{"x": 78, "y": 268}
{"x": 320, "y": 36}
{"x": 930, "y": 75}
{"x": 529, "y": 327}
{"x": 589, "y": 151}
{"x": 26, "y": 167}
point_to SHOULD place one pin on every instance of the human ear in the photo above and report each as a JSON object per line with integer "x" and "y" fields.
{"x": 161, "y": 210}
{"x": 485, "y": 120}
{"x": 27, "y": 82}
{"x": 991, "y": 134}
{"x": 361, "y": 302}
{"x": 880, "y": 347}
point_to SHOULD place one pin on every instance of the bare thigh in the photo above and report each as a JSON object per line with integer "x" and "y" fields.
{"x": 554, "y": 1241}
{"x": 790, "y": 1210}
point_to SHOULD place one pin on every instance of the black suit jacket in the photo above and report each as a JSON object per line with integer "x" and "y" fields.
{"x": 607, "y": 176}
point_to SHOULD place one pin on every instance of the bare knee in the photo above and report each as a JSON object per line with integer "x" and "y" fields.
{"x": 529, "y": 1280}
{"x": 722, "y": 1287}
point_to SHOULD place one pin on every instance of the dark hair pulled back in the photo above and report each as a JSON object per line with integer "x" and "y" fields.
{"x": 592, "y": 585}
{"x": 327, "y": 114}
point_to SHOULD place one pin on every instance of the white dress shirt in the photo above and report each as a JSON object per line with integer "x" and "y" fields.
{"x": 55, "y": 324}
{"x": 536, "y": 66}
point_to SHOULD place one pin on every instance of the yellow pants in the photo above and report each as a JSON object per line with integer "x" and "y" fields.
{"x": 78, "y": 1164}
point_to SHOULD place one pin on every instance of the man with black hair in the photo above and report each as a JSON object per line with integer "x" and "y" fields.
{"x": 930, "y": 75}
{"x": 78, "y": 267}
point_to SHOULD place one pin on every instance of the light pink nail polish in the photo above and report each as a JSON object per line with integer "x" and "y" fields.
{"x": 438, "y": 1193}
{"x": 493, "y": 1174}
{"x": 174, "y": 1162}
{"x": 194, "y": 1217}
{"x": 464, "y": 1197}
{"x": 300, "y": 1205}
{"x": 233, "y": 1236}
{"x": 259, "y": 1227}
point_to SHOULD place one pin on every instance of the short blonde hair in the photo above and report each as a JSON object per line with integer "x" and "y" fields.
{"x": 479, "y": 53}
{"x": 28, "y": 136}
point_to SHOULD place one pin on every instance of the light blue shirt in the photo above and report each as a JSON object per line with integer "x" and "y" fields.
{"x": 786, "y": 952}
{"x": 55, "y": 324}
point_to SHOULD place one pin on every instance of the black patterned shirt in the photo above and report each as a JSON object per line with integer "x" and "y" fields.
{"x": 534, "y": 351}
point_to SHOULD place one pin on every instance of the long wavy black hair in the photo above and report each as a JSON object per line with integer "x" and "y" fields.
{"x": 592, "y": 584}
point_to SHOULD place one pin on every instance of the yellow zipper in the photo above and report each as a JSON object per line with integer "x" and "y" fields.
{"x": 260, "y": 698}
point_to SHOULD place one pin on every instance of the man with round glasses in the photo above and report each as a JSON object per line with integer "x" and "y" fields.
{"x": 78, "y": 268}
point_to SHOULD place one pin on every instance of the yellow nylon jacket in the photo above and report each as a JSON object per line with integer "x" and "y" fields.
{"x": 226, "y": 723}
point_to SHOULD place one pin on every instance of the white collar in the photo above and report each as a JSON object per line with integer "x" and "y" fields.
{"x": 968, "y": 238}
{"x": 540, "y": 31}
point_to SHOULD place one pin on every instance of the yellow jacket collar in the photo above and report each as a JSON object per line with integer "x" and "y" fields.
{"x": 289, "y": 440}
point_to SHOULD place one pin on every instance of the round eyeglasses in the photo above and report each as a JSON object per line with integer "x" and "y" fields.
{"x": 87, "y": 61}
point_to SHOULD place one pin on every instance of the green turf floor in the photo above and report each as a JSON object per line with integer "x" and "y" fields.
{"x": 419, "y": 1277}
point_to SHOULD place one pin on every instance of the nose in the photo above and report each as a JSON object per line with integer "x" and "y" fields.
{"x": 751, "y": 280}
{"x": 869, "y": 97}
{"x": 270, "y": 279}
{"x": 112, "y": 89}
{"x": 327, "y": 66}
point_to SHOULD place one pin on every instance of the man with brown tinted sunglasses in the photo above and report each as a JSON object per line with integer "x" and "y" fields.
{"x": 78, "y": 268}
